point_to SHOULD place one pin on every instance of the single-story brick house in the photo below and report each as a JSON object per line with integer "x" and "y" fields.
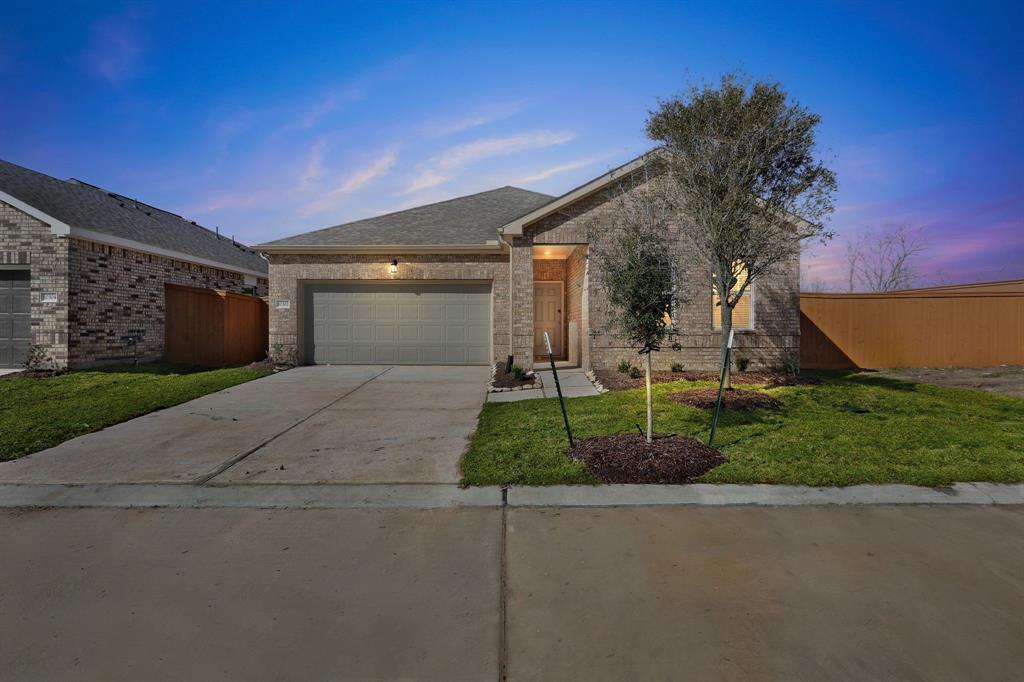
{"x": 83, "y": 270}
{"x": 474, "y": 279}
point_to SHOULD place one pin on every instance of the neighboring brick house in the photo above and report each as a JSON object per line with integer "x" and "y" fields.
{"x": 474, "y": 279}
{"x": 82, "y": 270}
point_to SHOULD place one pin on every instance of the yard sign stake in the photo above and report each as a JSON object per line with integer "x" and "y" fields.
{"x": 558, "y": 387}
{"x": 721, "y": 383}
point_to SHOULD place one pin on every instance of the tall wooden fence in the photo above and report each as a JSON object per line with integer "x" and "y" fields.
{"x": 213, "y": 328}
{"x": 958, "y": 326}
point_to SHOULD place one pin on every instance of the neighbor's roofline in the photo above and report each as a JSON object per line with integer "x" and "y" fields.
{"x": 384, "y": 249}
{"x": 62, "y": 229}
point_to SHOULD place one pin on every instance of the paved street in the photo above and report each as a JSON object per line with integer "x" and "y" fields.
{"x": 682, "y": 593}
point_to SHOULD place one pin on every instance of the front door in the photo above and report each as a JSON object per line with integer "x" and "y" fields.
{"x": 547, "y": 317}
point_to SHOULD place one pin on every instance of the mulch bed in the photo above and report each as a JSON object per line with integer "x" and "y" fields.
{"x": 619, "y": 381}
{"x": 33, "y": 374}
{"x": 629, "y": 458}
{"x": 504, "y": 379}
{"x": 733, "y": 399}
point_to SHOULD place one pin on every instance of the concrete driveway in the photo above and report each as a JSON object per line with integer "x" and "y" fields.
{"x": 345, "y": 424}
{"x": 486, "y": 593}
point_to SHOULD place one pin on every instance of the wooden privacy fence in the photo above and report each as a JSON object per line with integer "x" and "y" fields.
{"x": 959, "y": 326}
{"x": 213, "y": 328}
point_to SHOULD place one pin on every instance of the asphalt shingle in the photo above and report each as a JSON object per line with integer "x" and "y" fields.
{"x": 472, "y": 219}
{"x": 88, "y": 207}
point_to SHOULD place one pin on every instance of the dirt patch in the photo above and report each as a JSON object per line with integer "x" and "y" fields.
{"x": 1006, "y": 379}
{"x": 629, "y": 458}
{"x": 620, "y": 381}
{"x": 504, "y": 379}
{"x": 733, "y": 399}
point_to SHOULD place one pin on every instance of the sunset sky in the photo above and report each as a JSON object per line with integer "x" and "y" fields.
{"x": 268, "y": 122}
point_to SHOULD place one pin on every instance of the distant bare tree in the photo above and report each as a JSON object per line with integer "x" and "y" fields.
{"x": 887, "y": 259}
{"x": 815, "y": 285}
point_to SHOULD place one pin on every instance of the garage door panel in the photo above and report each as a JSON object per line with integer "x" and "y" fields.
{"x": 385, "y": 323}
{"x": 15, "y": 317}
{"x": 408, "y": 333}
{"x": 21, "y": 328}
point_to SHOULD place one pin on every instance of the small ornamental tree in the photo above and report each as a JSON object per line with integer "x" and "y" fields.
{"x": 632, "y": 253}
{"x": 743, "y": 172}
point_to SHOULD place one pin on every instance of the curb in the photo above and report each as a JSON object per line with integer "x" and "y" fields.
{"x": 432, "y": 496}
{"x": 419, "y": 496}
{"x": 716, "y": 495}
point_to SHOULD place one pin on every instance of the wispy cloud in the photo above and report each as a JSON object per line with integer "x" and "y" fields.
{"x": 376, "y": 168}
{"x": 441, "y": 168}
{"x": 482, "y": 116}
{"x": 315, "y": 162}
{"x": 115, "y": 46}
{"x": 556, "y": 170}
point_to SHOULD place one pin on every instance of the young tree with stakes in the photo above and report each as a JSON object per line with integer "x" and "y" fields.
{"x": 741, "y": 168}
{"x": 635, "y": 264}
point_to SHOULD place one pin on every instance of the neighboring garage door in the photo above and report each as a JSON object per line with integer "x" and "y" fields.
{"x": 15, "y": 317}
{"x": 397, "y": 323}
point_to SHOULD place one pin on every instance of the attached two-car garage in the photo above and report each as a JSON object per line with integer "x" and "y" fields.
{"x": 415, "y": 323}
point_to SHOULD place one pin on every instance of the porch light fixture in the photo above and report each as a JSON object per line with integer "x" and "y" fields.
{"x": 394, "y": 266}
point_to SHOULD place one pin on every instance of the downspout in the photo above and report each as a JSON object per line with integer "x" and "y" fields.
{"x": 511, "y": 299}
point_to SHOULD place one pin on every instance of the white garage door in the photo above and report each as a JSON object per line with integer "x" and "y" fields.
{"x": 396, "y": 323}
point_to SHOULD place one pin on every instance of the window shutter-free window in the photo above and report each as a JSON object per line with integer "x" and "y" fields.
{"x": 743, "y": 313}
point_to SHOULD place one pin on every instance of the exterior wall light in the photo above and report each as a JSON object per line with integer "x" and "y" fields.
{"x": 394, "y": 266}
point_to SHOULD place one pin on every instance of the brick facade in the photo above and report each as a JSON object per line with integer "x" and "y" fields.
{"x": 776, "y": 300}
{"x": 103, "y": 293}
{"x": 26, "y": 241}
{"x": 116, "y": 293}
{"x": 288, "y": 274}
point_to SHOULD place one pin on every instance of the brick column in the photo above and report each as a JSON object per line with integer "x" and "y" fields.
{"x": 521, "y": 262}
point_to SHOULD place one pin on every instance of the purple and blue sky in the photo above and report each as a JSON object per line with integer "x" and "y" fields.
{"x": 268, "y": 121}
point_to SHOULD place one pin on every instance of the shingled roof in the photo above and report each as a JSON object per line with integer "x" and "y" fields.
{"x": 87, "y": 207}
{"x": 468, "y": 220}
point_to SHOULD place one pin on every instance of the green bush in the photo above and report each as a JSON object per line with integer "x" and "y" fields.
{"x": 518, "y": 372}
{"x": 635, "y": 373}
{"x": 625, "y": 367}
{"x": 742, "y": 362}
{"x": 677, "y": 367}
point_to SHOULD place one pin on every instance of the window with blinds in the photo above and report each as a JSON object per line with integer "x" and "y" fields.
{"x": 742, "y": 314}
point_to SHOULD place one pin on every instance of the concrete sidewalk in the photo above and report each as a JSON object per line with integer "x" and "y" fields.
{"x": 681, "y": 593}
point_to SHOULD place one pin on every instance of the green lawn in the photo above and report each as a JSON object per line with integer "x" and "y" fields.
{"x": 851, "y": 428}
{"x": 39, "y": 413}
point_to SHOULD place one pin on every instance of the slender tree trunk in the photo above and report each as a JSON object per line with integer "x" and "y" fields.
{"x": 726, "y": 328}
{"x": 650, "y": 401}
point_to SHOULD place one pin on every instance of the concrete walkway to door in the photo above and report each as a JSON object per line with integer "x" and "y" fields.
{"x": 326, "y": 424}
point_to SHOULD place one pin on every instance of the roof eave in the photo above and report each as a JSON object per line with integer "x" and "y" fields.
{"x": 382, "y": 249}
